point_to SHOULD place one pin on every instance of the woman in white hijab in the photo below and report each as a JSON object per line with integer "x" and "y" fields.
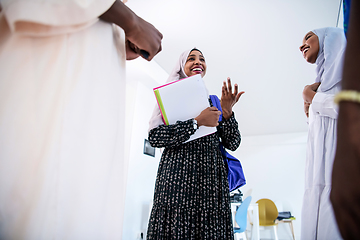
{"x": 191, "y": 199}
{"x": 325, "y": 47}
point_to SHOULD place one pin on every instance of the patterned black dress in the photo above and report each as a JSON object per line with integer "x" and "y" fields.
{"x": 191, "y": 199}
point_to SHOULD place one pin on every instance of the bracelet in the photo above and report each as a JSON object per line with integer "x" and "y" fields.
{"x": 347, "y": 95}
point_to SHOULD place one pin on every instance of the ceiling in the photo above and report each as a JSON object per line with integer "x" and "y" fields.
{"x": 255, "y": 43}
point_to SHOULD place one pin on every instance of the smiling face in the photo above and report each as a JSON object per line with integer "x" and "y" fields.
{"x": 310, "y": 47}
{"x": 195, "y": 64}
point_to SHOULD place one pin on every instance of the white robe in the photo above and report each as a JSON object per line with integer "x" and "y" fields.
{"x": 318, "y": 220}
{"x": 62, "y": 98}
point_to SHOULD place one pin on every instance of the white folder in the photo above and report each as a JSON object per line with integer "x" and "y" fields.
{"x": 182, "y": 100}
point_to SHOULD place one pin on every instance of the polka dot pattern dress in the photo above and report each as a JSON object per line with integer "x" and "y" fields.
{"x": 191, "y": 199}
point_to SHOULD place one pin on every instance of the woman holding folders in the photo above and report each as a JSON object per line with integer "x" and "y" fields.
{"x": 191, "y": 199}
{"x": 325, "y": 47}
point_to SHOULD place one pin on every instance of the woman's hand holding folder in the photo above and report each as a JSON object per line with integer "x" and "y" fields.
{"x": 209, "y": 117}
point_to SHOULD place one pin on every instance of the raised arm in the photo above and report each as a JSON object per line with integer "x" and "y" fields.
{"x": 229, "y": 98}
{"x": 229, "y": 133}
{"x": 228, "y": 128}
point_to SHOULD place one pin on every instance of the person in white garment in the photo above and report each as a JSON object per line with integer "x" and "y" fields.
{"x": 324, "y": 47}
{"x": 62, "y": 100}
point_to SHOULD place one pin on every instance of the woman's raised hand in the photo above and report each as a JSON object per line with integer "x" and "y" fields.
{"x": 209, "y": 117}
{"x": 229, "y": 98}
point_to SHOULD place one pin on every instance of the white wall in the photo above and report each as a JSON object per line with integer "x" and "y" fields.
{"x": 142, "y": 168}
{"x": 273, "y": 164}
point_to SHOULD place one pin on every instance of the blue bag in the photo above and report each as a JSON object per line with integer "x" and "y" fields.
{"x": 236, "y": 176}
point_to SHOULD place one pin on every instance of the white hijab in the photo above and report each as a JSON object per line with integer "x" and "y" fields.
{"x": 330, "y": 59}
{"x": 176, "y": 74}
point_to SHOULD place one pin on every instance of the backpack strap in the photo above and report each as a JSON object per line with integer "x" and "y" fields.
{"x": 216, "y": 103}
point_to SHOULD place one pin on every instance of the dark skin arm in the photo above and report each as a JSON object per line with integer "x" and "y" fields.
{"x": 142, "y": 38}
{"x": 308, "y": 95}
{"x": 306, "y": 108}
{"x": 210, "y": 116}
{"x": 310, "y": 91}
{"x": 345, "y": 193}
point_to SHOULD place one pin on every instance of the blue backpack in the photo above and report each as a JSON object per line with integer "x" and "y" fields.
{"x": 236, "y": 176}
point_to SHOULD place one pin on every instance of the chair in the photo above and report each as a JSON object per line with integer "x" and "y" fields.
{"x": 285, "y": 217}
{"x": 267, "y": 214}
{"x": 241, "y": 218}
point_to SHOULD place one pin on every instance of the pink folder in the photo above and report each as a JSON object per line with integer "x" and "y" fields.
{"x": 182, "y": 100}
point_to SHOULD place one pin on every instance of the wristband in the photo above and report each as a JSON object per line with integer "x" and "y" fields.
{"x": 347, "y": 95}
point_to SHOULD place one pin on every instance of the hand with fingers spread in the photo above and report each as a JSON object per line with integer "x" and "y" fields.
{"x": 209, "y": 117}
{"x": 310, "y": 91}
{"x": 229, "y": 98}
